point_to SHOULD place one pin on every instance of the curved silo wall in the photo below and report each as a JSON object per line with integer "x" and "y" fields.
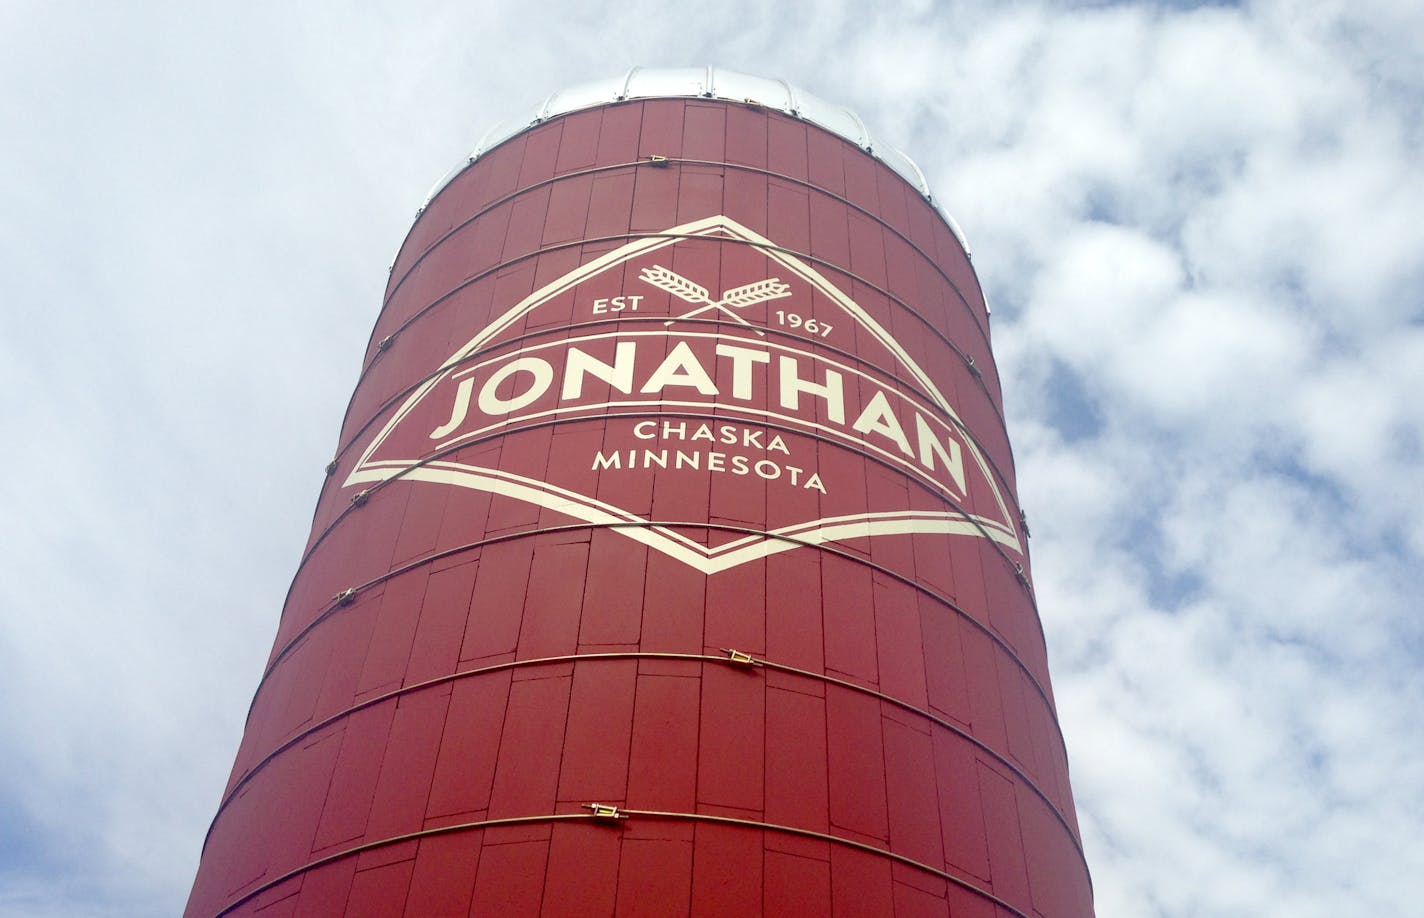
{"x": 670, "y": 563}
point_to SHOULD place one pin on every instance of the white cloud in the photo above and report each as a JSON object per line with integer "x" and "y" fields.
{"x": 1199, "y": 228}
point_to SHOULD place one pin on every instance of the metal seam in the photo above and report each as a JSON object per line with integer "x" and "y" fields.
{"x": 821, "y": 262}
{"x": 559, "y": 246}
{"x": 906, "y": 706}
{"x": 288, "y": 743}
{"x": 723, "y": 527}
{"x": 395, "y": 840}
{"x": 704, "y": 658}
{"x": 325, "y": 722}
{"x": 554, "y": 422}
{"x": 1020, "y": 575}
{"x": 740, "y": 167}
{"x": 647, "y": 814}
{"x": 834, "y": 839}
{"x": 393, "y": 289}
{"x": 1019, "y": 572}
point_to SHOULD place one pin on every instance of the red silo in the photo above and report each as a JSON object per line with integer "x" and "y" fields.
{"x": 670, "y": 562}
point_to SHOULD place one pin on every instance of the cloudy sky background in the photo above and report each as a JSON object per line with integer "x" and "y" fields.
{"x": 1201, "y": 227}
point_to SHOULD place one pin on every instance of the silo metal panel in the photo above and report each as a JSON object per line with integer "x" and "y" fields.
{"x": 1007, "y": 863}
{"x": 746, "y": 136}
{"x": 465, "y": 766}
{"x": 662, "y": 768}
{"x": 582, "y": 875}
{"x": 326, "y": 890}
{"x": 436, "y": 859}
{"x": 654, "y": 873}
{"x": 510, "y": 876}
{"x": 861, "y": 884}
{"x": 600, "y": 727}
{"x": 731, "y": 767}
{"x": 796, "y": 885}
{"x": 727, "y": 872}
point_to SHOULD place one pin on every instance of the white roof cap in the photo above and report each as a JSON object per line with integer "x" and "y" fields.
{"x": 709, "y": 83}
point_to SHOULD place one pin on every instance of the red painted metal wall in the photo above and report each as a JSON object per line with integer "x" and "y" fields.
{"x": 681, "y": 488}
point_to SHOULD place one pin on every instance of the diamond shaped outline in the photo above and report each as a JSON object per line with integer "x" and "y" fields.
{"x": 661, "y": 538}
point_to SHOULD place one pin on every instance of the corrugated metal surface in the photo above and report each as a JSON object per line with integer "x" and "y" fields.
{"x": 675, "y": 481}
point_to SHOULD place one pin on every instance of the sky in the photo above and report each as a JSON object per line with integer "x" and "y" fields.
{"x": 1198, "y": 225}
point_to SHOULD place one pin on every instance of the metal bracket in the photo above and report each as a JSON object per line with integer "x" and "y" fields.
{"x": 657, "y": 159}
{"x": 738, "y": 657}
{"x": 605, "y": 812}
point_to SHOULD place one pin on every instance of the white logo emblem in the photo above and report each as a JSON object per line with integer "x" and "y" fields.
{"x": 715, "y": 408}
{"x": 737, "y": 298}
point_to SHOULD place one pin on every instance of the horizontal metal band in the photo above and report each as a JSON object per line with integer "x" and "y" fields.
{"x": 395, "y": 840}
{"x": 734, "y": 658}
{"x": 1013, "y": 565}
{"x": 664, "y": 163}
{"x": 1012, "y": 500}
{"x": 604, "y": 819}
{"x": 338, "y": 602}
{"x": 617, "y": 237}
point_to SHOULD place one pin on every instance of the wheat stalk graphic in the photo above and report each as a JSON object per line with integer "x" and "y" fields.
{"x": 675, "y": 283}
{"x": 760, "y": 292}
{"x": 737, "y": 298}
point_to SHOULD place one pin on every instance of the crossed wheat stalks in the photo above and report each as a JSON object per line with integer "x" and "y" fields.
{"x": 737, "y": 298}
